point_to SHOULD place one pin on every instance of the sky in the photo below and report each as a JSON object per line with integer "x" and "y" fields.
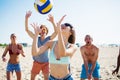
{"x": 98, "y": 18}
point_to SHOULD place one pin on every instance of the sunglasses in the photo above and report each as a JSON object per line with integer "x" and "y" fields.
{"x": 66, "y": 25}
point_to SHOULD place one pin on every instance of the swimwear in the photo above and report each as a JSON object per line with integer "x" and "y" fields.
{"x": 53, "y": 60}
{"x": 68, "y": 77}
{"x": 12, "y": 67}
{"x": 10, "y": 49}
{"x": 95, "y": 72}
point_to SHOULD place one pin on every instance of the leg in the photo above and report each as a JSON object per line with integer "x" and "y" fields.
{"x": 9, "y": 75}
{"x": 83, "y": 75}
{"x": 18, "y": 74}
{"x": 35, "y": 70}
{"x": 46, "y": 76}
{"x": 95, "y": 79}
{"x": 45, "y": 70}
{"x": 18, "y": 71}
{"x": 9, "y": 71}
{"x": 96, "y": 74}
{"x": 33, "y": 75}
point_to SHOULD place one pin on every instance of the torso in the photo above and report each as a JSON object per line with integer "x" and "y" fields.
{"x": 89, "y": 52}
{"x": 58, "y": 70}
{"x": 42, "y": 57}
{"x": 14, "y": 54}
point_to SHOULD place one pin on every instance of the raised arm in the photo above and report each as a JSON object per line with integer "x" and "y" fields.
{"x": 35, "y": 50}
{"x": 4, "y": 53}
{"x": 28, "y": 14}
{"x": 51, "y": 19}
{"x": 61, "y": 44}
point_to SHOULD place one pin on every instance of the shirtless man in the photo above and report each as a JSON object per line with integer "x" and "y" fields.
{"x": 90, "y": 68}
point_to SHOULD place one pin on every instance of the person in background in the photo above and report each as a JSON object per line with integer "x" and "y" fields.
{"x": 61, "y": 51}
{"x": 41, "y": 62}
{"x": 13, "y": 64}
{"x": 89, "y": 52}
{"x": 118, "y": 64}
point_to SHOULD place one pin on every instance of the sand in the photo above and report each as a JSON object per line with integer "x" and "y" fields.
{"x": 107, "y": 60}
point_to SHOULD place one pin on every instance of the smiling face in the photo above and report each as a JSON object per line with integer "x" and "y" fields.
{"x": 43, "y": 30}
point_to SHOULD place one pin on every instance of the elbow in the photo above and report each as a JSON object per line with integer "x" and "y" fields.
{"x": 33, "y": 54}
{"x": 63, "y": 54}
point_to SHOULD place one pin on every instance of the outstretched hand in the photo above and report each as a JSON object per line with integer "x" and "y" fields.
{"x": 36, "y": 28}
{"x": 61, "y": 19}
{"x": 50, "y": 18}
{"x": 59, "y": 22}
{"x": 28, "y": 14}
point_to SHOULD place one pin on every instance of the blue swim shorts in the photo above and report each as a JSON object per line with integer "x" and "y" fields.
{"x": 95, "y": 72}
{"x": 68, "y": 77}
{"x": 12, "y": 67}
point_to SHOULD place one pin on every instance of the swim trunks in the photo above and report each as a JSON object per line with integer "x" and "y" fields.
{"x": 12, "y": 67}
{"x": 95, "y": 72}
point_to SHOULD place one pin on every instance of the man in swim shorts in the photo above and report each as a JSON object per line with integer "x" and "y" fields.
{"x": 89, "y": 52}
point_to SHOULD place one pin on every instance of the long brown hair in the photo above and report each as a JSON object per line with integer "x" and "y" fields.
{"x": 72, "y": 37}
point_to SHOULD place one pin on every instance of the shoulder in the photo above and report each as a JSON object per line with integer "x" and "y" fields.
{"x": 19, "y": 46}
{"x": 95, "y": 47}
{"x": 82, "y": 47}
{"x": 7, "y": 47}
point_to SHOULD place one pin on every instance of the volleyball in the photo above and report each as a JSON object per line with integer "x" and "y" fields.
{"x": 43, "y": 6}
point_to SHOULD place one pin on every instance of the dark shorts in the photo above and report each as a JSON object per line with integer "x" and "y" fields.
{"x": 95, "y": 72}
{"x": 68, "y": 77}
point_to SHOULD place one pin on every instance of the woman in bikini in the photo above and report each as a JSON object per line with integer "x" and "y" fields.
{"x": 13, "y": 64}
{"x": 60, "y": 51}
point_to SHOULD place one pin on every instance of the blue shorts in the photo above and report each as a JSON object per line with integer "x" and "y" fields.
{"x": 68, "y": 77}
{"x": 95, "y": 72}
{"x": 12, "y": 67}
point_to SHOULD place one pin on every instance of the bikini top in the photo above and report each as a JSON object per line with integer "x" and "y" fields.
{"x": 53, "y": 60}
{"x": 10, "y": 49}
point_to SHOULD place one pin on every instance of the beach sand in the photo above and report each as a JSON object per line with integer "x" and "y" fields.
{"x": 107, "y": 60}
